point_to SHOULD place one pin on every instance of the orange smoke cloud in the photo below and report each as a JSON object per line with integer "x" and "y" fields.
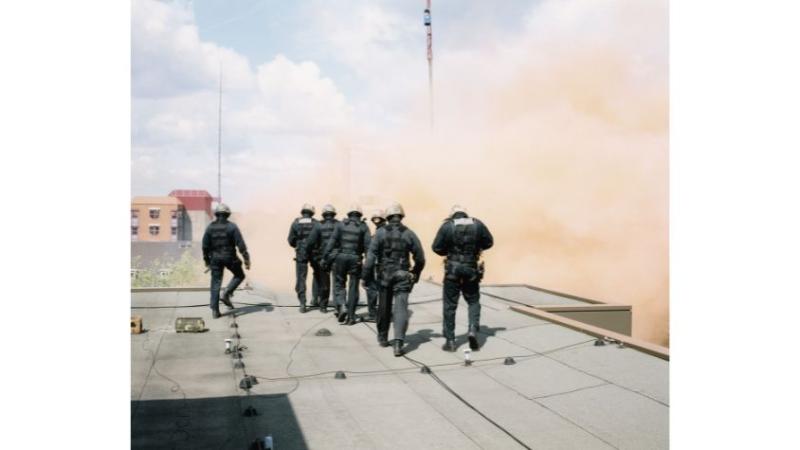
{"x": 565, "y": 159}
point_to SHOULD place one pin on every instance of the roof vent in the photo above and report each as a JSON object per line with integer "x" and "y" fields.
{"x": 425, "y": 369}
{"x": 599, "y": 342}
{"x": 234, "y": 325}
{"x": 509, "y": 361}
{"x": 236, "y": 335}
{"x": 323, "y": 332}
{"x": 239, "y": 364}
{"x": 340, "y": 375}
{"x": 250, "y": 412}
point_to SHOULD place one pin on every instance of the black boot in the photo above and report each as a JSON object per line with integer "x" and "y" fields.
{"x": 450, "y": 345}
{"x": 342, "y": 315}
{"x": 323, "y": 309}
{"x": 398, "y": 347}
{"x": 352, "y": 319}
{"x": 226, "y": 298}
{"x": 215, "y": 313}
{"x": 302, "y": 308}
{"x": 383, "y": 341}
{"x": 473, "y": 338}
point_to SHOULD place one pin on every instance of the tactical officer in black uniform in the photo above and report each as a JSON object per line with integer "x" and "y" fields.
{"x": 219, "y": 252}
{"x": 298, "y": 238}
{"x": 372, "y": 287}
{"x": 350, "y": 240}
{"x": 462, "y": 239}
{"x": 317, "y": 240}
{"x": 391, "y": 246}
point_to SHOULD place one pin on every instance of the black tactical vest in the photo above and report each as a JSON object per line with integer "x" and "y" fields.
{"x": 304, "y": 227}
{"x": 395, "y": 248}
{"x": 222, "y": 244}
{"x": 351, "y": 237}
{"x": 465, "y": 240}
{"x": 326, "y": 230}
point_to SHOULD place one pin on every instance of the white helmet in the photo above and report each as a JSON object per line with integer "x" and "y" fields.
{"x": 457, "y": 209}
{"x": 355, "y": 209}
{"x": 378, "y": 214}
{"x": 328, "y": 209}
{"x": 222, "y": 208}
{"x": 395, "y": 209}
{"x": 308, "y": 207}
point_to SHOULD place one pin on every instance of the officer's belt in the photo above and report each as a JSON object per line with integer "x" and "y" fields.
{"x": 462, "y": 258}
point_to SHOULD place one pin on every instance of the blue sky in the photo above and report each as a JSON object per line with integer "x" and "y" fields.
{"x": 260, "y": 29}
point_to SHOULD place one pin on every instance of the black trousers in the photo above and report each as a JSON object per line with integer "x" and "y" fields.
{"x": 301, "y": 273}
{"x": 374, "y": 290}
{"x": 393, "y": 303}
{"x": 460, "y": 278}
{"x": 347, "y": 273}
{"x": 217, "y": 268}
{"x": 321, "y": 289}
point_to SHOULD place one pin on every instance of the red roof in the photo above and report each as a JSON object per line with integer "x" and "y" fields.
{"x": 189, "y": 193}
{"x": 194, "y": 199}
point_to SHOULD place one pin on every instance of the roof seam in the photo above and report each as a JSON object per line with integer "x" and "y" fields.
{"x": 570, "y": 391}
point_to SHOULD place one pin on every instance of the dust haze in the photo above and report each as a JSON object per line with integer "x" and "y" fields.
{"x": 560, "y": 146}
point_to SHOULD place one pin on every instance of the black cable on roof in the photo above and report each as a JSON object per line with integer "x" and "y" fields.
{"x": 469, "y": 405}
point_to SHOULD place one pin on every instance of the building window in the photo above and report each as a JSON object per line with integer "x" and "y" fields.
{"x": 154, "y": 213}
{"x": 154, "y": 230}
{"x": 174, "y": 214}
{"x": 174, "y": 232}
{"x": 134, "y": 233}
{"x": 134, "y": 213}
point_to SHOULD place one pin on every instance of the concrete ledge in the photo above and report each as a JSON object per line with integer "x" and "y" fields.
{"x": 646, "y": 347}
{"x": 560, "y": 294}
{"x": 587, "y": 308}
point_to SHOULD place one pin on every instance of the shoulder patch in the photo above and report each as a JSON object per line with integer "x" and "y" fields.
{"x": 304, "y": 220}
{"x": 463, "y": 221}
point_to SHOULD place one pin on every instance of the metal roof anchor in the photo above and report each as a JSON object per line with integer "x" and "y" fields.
{"x": 247, "y": 382}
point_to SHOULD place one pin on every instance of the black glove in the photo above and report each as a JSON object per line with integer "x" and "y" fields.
{"x": 247, "y": 264}
{"x": 416, "y": 277}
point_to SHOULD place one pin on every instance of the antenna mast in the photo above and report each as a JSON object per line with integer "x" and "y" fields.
{"x": 428, "y": 28}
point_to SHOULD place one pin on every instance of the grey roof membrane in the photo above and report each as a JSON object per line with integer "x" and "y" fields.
{"x": 562, "y": 393}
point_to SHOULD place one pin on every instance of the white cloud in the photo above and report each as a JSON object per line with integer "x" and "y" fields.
{"x": 280, "y": 111}
{"x": 307, "y": 99}
{"x": 168, "y": 58}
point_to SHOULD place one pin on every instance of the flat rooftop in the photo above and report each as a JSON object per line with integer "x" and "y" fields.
{"x": 564, "y": 392}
